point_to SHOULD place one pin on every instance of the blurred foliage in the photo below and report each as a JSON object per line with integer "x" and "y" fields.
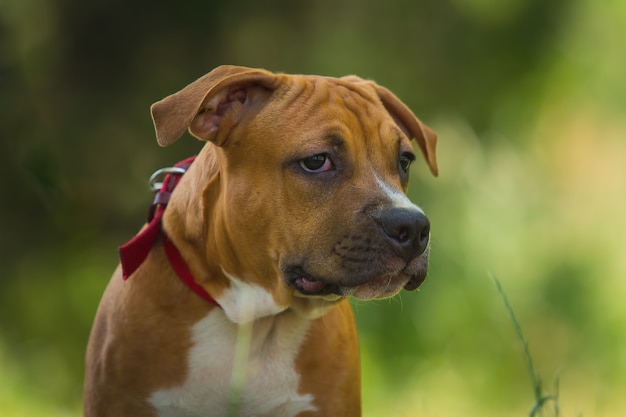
{"x": 527, "y": 97}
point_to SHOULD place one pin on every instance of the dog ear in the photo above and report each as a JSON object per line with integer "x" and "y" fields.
{"x": 209, "y": 103}
{"x": 425, "y": 137}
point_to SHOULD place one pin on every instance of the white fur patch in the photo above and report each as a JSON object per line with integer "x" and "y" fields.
{"x": 243, "y": 302}
{"x": 397, "y": 197}
{"x": 240, "y": 370}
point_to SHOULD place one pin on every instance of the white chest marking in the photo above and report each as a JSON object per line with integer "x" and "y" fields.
{"x": 269, "y": 382}
{"x": 243, "y": 302}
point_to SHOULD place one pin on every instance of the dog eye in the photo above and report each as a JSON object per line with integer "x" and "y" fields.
{"x": 405, "y": 161}
{"x": 316, "y": 163}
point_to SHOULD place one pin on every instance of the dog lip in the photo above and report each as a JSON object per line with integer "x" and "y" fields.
{"x": 305, "y": 284}
{"x": 309, "y": 285}
{"x": 414, "y": 282}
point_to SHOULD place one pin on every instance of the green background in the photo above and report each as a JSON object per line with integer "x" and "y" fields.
{"x": 528, "y": 98}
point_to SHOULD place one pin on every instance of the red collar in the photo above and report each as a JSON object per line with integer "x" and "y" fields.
{"x": 135, "y": 251}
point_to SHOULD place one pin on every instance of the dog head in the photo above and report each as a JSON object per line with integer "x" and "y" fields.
{"x": 301, "y": 188}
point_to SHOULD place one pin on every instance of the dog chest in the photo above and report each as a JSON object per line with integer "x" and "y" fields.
{"x": 239, "y": 371}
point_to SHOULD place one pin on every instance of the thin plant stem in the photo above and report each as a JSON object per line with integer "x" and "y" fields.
{"x": 540, "y": 398}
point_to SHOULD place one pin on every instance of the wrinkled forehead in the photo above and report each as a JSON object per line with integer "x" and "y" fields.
{"x": 316, "y": 111}
{"x": 336, "y": 90}
{"x": 323, "y": 102}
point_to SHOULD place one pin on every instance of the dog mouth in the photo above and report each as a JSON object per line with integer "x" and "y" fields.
{"x": 414, "y": 282}
{"x": 307, "y": 285}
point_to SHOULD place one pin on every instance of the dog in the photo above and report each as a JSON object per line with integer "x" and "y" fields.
{"x": 232, "y": 300}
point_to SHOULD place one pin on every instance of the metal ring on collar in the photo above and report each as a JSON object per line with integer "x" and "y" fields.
{"x": 156, "y": 185}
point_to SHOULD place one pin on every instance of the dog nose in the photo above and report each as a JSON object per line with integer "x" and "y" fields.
{"x": 408, "y": 230}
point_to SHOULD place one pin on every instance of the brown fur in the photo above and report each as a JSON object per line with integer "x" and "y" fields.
{"x": 241, "y": 209}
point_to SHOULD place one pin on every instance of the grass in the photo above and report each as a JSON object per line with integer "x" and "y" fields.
{"x": 541, "y": 398}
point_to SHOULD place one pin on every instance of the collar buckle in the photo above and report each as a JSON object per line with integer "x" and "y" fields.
{"x": 157, "y": 179}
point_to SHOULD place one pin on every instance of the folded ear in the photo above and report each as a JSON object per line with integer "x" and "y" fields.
{"x": 412, "y": 126}
{"x": 425, "y": 137}
{"x": 209, "y": 106}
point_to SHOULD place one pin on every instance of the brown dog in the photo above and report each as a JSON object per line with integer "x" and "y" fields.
{"x": 296, "y": 202}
